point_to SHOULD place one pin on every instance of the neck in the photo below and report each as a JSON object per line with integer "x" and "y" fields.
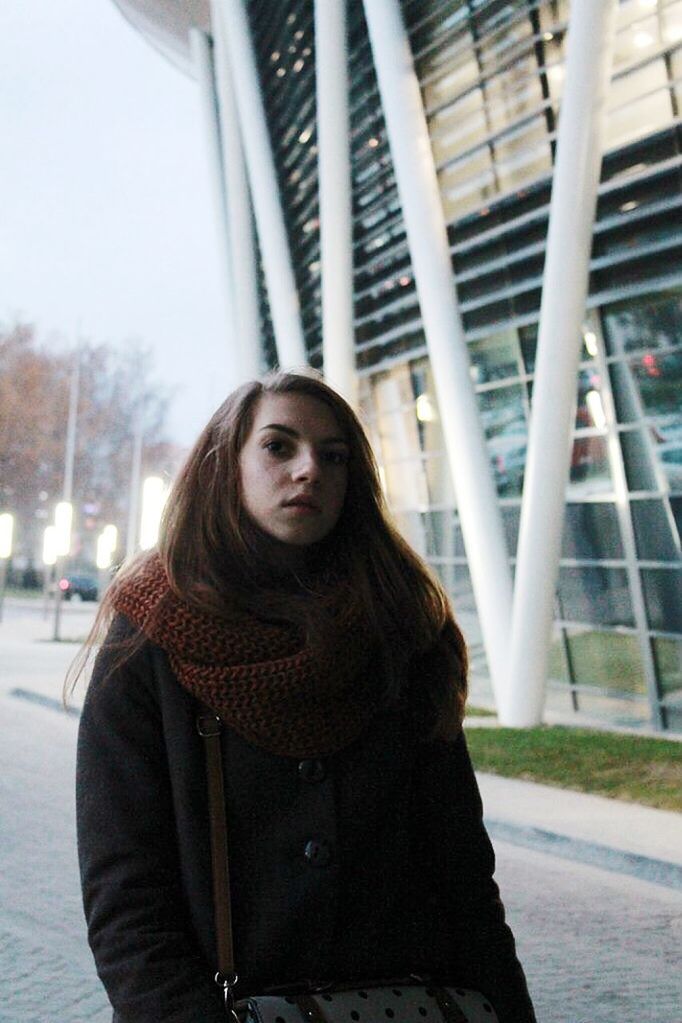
{"x": 284, "y": 563}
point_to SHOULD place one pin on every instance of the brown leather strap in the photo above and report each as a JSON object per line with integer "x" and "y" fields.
{"x": 311, "y": 1008}
{"x": 449, "y": 1008}
{"x": 209, "y": 727}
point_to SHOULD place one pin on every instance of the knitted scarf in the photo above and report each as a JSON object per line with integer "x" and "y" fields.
{"x": 260, "y": 677}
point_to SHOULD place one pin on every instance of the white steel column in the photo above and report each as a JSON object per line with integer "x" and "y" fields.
{"x": 334, "y": 174}
{"x": 202, "y": 58}
{"x": 279, "y": 274}
{"x": 239, "y": 220}
{"x": 427, "y": 238}
{"x": 564, "y": 293}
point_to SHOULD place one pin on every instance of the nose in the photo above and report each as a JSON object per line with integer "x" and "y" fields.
{"x": 306, "y": 467}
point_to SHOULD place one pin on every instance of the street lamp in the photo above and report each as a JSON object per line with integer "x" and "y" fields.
{"x": 6, "y": 530}
{"x": 63, "y": 517}
{"x": 154, "y": 496}
{"x": 49, "y": 561}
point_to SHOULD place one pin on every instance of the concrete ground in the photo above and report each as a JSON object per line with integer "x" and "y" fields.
{"x": 592, "y": 886}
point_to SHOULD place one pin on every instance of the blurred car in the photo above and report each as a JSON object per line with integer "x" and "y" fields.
{"x": 77, "y": 586}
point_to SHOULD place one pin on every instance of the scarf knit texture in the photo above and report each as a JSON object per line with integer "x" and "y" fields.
{"x": 259, "y": 677}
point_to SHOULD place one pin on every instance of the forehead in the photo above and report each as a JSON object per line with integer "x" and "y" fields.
{"x": 300, "y": 412}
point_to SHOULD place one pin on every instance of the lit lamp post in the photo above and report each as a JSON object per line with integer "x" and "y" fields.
{"x": 49, "y": 561}
{"x": 154, "y": 494}
{"x": 6, "y": 530}
{"x": 107, "y": 542}
{"x": 63, "y": 517}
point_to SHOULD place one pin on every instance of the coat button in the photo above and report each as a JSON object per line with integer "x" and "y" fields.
{"x": 318, "y": 853}
{"x": 311, "y": 770}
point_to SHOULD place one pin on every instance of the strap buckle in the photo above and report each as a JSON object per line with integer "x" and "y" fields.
{"x": 208, "y": 725}
{"x": 227, "y": 982}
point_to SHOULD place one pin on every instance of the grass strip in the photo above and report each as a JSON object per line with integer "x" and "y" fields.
{"x": 633, "y": 768}
{"x": 479, "y": 712}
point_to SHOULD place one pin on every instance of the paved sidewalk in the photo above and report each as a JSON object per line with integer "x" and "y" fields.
{"x": 610, "y": 833}
{"x": 599, "y": 942}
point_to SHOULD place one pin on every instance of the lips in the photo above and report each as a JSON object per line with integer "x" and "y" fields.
{"x": 302, "y": 502}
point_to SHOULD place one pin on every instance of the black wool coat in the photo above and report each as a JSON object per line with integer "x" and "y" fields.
{"x": 372, "y": 862}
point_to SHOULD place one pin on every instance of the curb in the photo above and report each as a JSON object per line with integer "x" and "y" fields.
{"x": 617, "y": 861}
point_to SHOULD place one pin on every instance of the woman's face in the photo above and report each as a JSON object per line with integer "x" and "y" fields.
{"x": 294, "y": 468}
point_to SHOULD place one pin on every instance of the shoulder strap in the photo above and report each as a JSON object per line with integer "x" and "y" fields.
{"x": 209, "y": 727}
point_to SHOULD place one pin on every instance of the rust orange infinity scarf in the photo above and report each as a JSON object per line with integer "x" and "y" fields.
{"x": 260, "y": 677}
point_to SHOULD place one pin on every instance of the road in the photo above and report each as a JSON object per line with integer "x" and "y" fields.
{"x": 598, "y": 947}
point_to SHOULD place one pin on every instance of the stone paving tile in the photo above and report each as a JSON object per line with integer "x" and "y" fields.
{"x": 597, "y": 947}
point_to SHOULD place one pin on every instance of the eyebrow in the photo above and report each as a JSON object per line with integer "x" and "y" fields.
{"x": 294, "y": 433}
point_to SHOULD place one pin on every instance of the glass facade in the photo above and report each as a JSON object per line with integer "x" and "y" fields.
{"x": 492, "y": 76}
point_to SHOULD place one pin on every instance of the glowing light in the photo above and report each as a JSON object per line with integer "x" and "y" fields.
{"x": 628, "y": 206}
{"x": 299, "y": 65}
{"x": 426, "y": 413}
{"x": 591, "y": 342}
{"x": 548, "y": 36}
{"x": 305, "y": 135}
{"x": 6, "y": 530}
{"x": 63, "y": 517}
{"x": 280, "y": 72}
{"x": 107, "y": 542}
{"x": 50, "y": 545}
{"x": 642, "y": 40}
{"x": 596, "y": 409}
{"x": 274, "y": 56}
{"x": 404, "y": 281}
{"x": 372, "y": 143}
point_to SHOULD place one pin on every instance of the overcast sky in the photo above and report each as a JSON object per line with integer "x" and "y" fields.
{"x": 107, "y": 214}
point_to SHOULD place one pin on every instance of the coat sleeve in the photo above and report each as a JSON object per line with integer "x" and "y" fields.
{"x": 145, "y": 954}
{"x": 462, "y": 898}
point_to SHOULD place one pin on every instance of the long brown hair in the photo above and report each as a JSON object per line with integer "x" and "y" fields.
{"x": 213, "y": 557}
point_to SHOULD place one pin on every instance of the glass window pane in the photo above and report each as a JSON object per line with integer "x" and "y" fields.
{"x": 438, "y": 481}
{"x": 639, "y": 460}
{"x": 599, "y": 595}
{"x": 458, "y": 127}
{"x": 659, "y": 381}
{"x": 655, "y": 533}
{"x": 643, "y": 324}
{"x": 668, "y": 659}
{"x": 606, "y": 659}
{"x": 631, "y": 712}
{"x": 405, "y": 483}
{"x": 663, "y": 598}
{"x": 589, "y": 471}
{"x": 591, "y": 530}
{"x": 496, "y": 357}
{"x": 523, "y": 155}
{"x": 504, "y": 421}
{"x": 557, "y": 669}
{"x": 514, "y": 94}
{"x": 443, "y": 535}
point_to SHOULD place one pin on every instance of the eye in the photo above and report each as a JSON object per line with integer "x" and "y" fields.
{"x": 275, "y": 447}
{"x": 336, "y": 457}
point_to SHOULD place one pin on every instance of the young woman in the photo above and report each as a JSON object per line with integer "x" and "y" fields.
{"x": 281, "y": 596}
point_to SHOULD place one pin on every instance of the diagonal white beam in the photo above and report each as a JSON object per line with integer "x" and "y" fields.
{"x": 564, "y": 294}
{"x": 428, "y": 244}
{"x": 247, "y": 332}
{"x": 202, "y": 59}
{"x": 279, "y": 274}
{"x": 334, "y": 189}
